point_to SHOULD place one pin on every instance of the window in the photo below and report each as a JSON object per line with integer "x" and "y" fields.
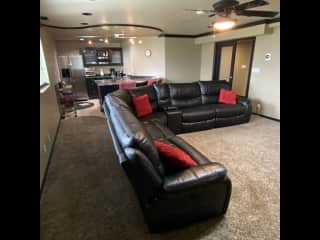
{"x": 44, "y": 78}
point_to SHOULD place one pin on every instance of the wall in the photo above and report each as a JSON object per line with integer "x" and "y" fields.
{"x": 182, "y": 60}
{"x": 265, "y": 85}
{"x": 135, "y": 61}
{"x": 207, "y": 52}
{"x": 49, "y": 110}
{"x": 71, "y": 48}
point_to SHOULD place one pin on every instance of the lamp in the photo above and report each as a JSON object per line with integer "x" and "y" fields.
{"x": 224, "y": 24}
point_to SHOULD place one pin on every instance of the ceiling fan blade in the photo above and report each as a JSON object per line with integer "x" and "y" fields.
{"x": 257, "y": 13}
{"x": 252, "y": 4}
{"x": 211, "y": 15}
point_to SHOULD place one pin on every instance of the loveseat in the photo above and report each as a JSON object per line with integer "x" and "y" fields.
{"x": 167, "y": 199}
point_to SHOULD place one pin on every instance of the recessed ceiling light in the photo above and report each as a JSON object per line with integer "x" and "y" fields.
{"x": 44, "y": 18}
{"x": 140, "y": 41}
{"x": 81, "y": 39}
{"x": 84, "y": 23}
{"x": 101, "y": 39}
{"x": 106, "y": 40}
{"x": 116, "y": 35}
{"x": 87, "y": 13}
{"x": 89, "y": 42}
{"x": 90, "y": 36}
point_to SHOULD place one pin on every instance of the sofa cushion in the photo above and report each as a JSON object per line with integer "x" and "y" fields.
{"x": 157, "y": 131}
{"x": 210, "y": 90}
{"x": 160, "y": 117}
{"x": 228, "y": 110}
{"x": 185, "y": 94}
{"x": 150, "y": 91}
{"x": 142, "y": 105}
{"x": 124, "y": 95}
{"x": 131, "y": 133}
{"x": 227, "y": 97}
{"x": 198, "y": 113}
{"x": 163, "y": 95}
{"x": 174, "y": 157}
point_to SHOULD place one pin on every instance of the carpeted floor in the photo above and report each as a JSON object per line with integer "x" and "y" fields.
{"x": 87, "y": 195}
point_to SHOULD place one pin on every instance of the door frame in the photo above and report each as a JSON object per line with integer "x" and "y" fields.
{"x": 217, "y": 56}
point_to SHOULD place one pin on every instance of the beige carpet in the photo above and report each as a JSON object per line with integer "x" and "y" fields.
{"x": 251, "y": 154}
{"x": 87, "y": 196}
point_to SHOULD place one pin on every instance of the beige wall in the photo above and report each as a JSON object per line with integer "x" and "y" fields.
{"x": 71, "y": 48}
{"x": 183, "y": 60}
{"x": 207, "y": 52}
{"x": 265, "y": 85}
{"x": 137, "y": 63}
{"x": 49, "y": 111}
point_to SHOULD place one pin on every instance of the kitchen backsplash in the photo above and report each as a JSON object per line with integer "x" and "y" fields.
{"x": 106, "y": 70}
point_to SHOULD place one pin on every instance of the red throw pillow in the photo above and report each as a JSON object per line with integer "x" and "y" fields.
{"x": 227, "y": 97}
{"x": 142, "y": 105}
{"x": 174, "y": 156}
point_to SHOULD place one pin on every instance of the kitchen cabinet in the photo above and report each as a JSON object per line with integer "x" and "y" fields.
{"x": 89, "y": 56}
{"x": 102, "y": 56}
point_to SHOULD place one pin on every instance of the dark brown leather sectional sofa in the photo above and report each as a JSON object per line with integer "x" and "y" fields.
{"x": 172, "y": 200}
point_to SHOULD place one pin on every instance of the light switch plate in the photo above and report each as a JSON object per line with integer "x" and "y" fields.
{"x": 256, "y": 70}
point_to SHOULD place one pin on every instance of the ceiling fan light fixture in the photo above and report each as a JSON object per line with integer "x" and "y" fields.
{"x": 224, "y": 24}
{"x": 199, "y": 12}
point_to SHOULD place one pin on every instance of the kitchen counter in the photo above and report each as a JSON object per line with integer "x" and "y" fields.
{"x": 105, "y": 86}
{"x": 110, "y": 82}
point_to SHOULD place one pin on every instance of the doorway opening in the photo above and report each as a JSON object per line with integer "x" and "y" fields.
{"x": 233, "y": 62}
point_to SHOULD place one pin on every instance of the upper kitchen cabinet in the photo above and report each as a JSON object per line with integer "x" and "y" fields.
{"x": 102, "y": 56}
{"x": 116, "y": 56}
{"x": 89, "y": 56}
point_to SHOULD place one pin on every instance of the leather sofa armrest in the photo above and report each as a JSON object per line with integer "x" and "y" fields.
{"x": 196, "y": 176}
{"x": 245, "y": 102}
{"x": 174, "y": 120}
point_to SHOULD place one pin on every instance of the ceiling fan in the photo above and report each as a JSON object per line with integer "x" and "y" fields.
{"x": 224, "y": 8}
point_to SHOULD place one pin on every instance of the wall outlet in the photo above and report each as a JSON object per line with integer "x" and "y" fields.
{"x": 258, "y": 107}
{"x": 44, "y": 148}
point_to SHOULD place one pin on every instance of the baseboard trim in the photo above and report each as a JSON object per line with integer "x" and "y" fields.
{"x": 274, "y": 119}
{"x": 49, "y": 160}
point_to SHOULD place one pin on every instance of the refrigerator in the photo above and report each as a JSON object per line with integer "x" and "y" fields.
{"x": 76, "y": 76}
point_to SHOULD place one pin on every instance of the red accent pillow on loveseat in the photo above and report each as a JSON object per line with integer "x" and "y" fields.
{"x": 142, "y": 105}
{"x": 227, "y": 97}
{"x": 174, "y": 156}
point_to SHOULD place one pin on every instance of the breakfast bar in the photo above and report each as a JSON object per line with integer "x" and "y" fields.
{"x": 105, "y": 86}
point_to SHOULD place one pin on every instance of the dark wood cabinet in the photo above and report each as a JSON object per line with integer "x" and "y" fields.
{"x": 92, "y": 88}
{"x": 102, "y": 56}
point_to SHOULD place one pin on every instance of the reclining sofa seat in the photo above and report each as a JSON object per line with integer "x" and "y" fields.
{"x": 167, "y": 199}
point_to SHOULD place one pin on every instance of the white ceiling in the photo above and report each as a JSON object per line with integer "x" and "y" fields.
{"x": 167, "y": 15}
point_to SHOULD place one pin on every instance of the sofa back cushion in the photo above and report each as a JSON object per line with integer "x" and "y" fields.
{"x": 124, "y": 95}
{"x": 131, "y": 133}
{"x": 185, "y": 94}
{"x": 210, "y": 90}
{"x": 163, "y": 94}
{"x": 150, "y": 91}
